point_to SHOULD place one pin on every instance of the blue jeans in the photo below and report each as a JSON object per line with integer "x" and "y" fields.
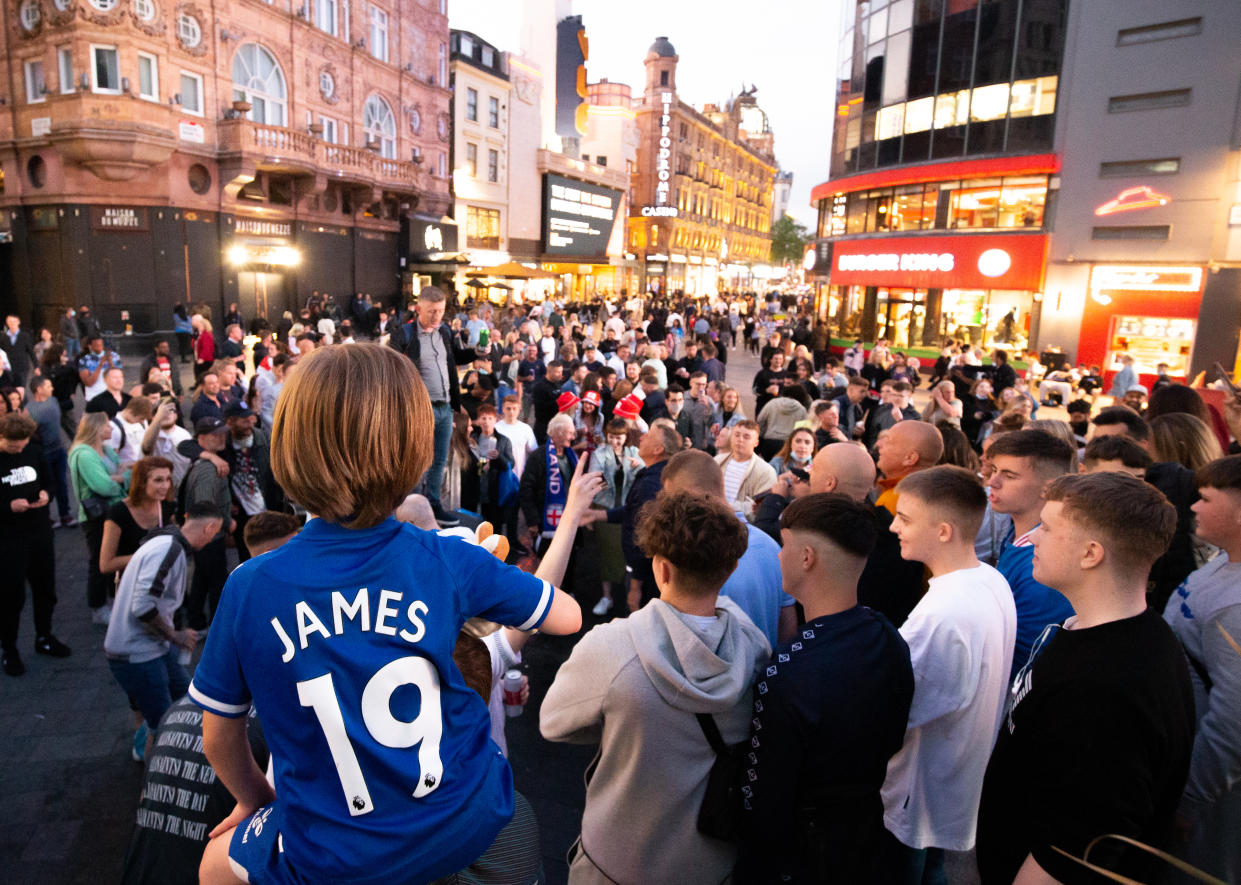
{"x": 152, "y": 685}
{"x": 434, "y": 479}
{"x": 58, "y": 463}
{"x": 902, "y": 865}
{"x": 73, "y": 348}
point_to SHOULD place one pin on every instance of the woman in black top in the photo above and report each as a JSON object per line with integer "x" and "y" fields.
{"x": 149, "y": 506}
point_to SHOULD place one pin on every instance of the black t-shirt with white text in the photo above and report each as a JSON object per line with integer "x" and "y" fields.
{"x": 182, "y": 800}
{"x": 1097, "y": 741}
{"x": 22, "y": 476}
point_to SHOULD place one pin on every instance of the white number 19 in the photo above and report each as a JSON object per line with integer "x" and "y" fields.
{"x": 426, "y": 728}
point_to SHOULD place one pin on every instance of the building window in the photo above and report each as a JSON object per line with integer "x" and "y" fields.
{"x": 192, "y": 93}
{"x": 103, "y": 5}
{"x": 329, "y": 129}
{"x": 465, "y": 45}
{"x": 189, "y": 30}
{"x": 471, "y": 104}
{"x": 1128, "y": 168}
{"x": 443, "y": 80}
{"x": 379, "y": 33}
{"x": 380, "y": 125}
{"x": 482, "y": 228}
{"x": 493, "y": 166}
{"x": 148, "y": 76}
{"x": 471, "y": 159}
{"x": 64, "y": 67}
{"x": 488, "y": 57}
{"x": 1148, "y": 101}
{"x": 258, "y": 79}
{"x": 36, "y": 86}
{"x": 325, "y": 16}
{"x": 663, "y": 78}
{"x": 105, "y": 69}
{"x": 1185, "y": 27}
{"x": 30, "y": 14}
{"x": 144, "y": 10}
{"x": 493, "y": 112}
{"x": 327, "y": 84}
{"x": 601, "y": 160}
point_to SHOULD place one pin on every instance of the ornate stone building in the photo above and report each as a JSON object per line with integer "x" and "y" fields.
{"x": 701, "y": 196}
{"x": 155, "y": 151}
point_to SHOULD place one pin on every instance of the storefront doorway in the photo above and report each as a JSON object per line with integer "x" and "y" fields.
{"x": 261, "y": 294}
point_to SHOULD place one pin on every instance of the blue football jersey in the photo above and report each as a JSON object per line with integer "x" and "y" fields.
{"x": 342, "y": 640}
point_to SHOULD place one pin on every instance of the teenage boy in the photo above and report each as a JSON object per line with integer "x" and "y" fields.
{"x": 960, "y": 637}
{"x": 1115, "y": 454}
{"x": 1205, "y": 614}
{"x": 646, "y": 688}
{"x": 1025, "y": 463}
{"x": 328, "y": 634}
{"x": 1100, "y": 721}
{"x": 830, "y": 712}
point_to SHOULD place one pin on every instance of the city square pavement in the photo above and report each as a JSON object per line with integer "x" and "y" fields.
{"x": 70, "y": 789}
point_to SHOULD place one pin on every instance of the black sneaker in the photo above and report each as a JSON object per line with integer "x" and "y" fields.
{"x": 445, "y": 518}
{"x": 12, "y": 662}
{"x": 50, "y": 645}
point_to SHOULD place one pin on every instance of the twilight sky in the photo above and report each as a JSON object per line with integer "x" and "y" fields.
{"x": 786, "y": 48}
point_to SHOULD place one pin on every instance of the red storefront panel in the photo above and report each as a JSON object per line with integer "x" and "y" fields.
{"x": 978, "y": 261}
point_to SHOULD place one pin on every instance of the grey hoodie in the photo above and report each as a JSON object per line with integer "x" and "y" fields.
{"x": 635, "y": 686}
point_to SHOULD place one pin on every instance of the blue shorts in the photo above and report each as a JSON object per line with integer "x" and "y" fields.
{"x": 256, "y": 852}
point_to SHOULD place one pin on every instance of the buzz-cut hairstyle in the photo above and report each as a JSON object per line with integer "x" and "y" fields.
{"x": 675, "y": 388}
{"x": 268, "y": 526}
{"x": 1051, "y": 456}
{"x": 512, "y": 398}
{"x": 1135, "y": 425}
{"x": 695, "y": 375}
{"x": 1134, "y": 518}
{"x": 487, "y": 409}
{"x": 431, "y": 294}
{"x": 1222, "y": 473}
{"x": 954, "y": 492}
{"x": 699, "y": 534}
{"x": 203, "y": 510}
{"x": 352, "y": 434}
{"x": 556, "y": 364}
{"x": 1117, "y": 448}
{"x": 847, "y": 524}
{"x": 668, "y": 436}
{"x": 694, "y": 469}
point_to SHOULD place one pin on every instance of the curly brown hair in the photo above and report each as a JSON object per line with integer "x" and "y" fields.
{"x": 700, "y": 535}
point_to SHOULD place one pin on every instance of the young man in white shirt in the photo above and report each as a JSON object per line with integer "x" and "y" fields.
{"x": 960, "y": 638}
{"x": 162, "y": 437}
{"x": 519, "y": 433}
{"x": 129, "y": 428}
{"x": 745, "y": 474}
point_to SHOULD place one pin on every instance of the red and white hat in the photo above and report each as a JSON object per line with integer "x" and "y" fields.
{"x": 629, "y": 408}
{"x": 567, "y": 401}
{"x": 592, "y": 397}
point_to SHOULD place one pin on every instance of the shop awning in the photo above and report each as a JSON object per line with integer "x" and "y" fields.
{"x": 511, "y": 270}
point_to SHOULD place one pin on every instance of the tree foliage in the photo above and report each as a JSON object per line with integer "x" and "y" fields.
{"x": 788, "y": 240}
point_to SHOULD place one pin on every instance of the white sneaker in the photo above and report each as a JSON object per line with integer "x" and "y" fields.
{"x": 602, "y": 607}
{"x": 101, "y": 615}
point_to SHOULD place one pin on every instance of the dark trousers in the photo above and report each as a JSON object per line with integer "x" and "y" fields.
{"x": 58, "y": 463}
{"x": 185, "y": 344}
{"x": 27, "y": 558}
{"x": 210, "y": 572}
{"x": 504, "y": 521}
{"x": 98, "y": 587}
{"x": 901, "y": 865}
{"x": 66, "y": 418}
{"x": 239, "y": 535}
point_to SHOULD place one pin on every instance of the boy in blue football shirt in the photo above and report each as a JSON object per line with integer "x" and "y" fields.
{"x": 343, "y": 640}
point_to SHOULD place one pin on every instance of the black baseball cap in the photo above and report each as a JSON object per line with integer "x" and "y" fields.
{"x": 238, "y": 410}
{"x": 208, "y": 425}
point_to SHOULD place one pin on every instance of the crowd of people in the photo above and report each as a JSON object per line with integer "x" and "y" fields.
{"x": 834, "y": 639}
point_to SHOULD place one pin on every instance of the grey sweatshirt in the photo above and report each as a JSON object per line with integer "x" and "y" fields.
{"x": 635, "y": 686}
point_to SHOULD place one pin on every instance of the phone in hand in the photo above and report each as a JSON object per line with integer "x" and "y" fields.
{"x": 1226, "y": 377}
{"x": 799, "y": 474}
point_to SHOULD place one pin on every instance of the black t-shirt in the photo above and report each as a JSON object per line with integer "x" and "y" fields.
{"x": 182, "y": 800}
{"x": 830, "y": 710}
{"x": 1097, "y": 742}
{"x": 133, "y": 534}
{"x": 24, "y": 475}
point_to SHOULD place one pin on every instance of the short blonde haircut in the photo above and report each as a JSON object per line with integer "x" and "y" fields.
{"x": 352, "y": 433}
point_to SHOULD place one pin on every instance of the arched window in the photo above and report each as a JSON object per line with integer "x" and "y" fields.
{"x": 379, "y": 124}
{"x": 257, "y": 78}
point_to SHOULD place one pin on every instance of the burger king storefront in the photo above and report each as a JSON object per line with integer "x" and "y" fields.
{"x": 916, "y": 291}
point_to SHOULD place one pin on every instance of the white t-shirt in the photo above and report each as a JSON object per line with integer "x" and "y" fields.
{"x": 502, "y": 658}
{"x": 166, "y": 443}
{"x": 521, "y": 435}
{"x": 960, "y": 637}
{"x": 127, "y": 445}
{"x": 734, "y": 474}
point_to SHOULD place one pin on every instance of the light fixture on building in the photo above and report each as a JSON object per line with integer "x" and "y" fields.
{"x": 226, "y": 35}
{"x": 241, "y": 254}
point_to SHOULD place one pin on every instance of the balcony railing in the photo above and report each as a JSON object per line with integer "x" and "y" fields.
{"x": 294, "y": 147}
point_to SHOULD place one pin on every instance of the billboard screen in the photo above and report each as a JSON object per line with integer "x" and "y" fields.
{"x": 577, "y": 217}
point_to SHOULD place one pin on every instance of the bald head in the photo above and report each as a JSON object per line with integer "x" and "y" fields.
{"x": 694, "y": 471}
{"x": 909, "y": 446}
{"x": 842, "y": 467}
